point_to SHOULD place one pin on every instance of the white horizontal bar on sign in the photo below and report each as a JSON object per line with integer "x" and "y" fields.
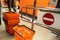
{"x": 48, "y": 19}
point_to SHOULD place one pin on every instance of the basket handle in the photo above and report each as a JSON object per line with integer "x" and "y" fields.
{"x": 33, "y": 12}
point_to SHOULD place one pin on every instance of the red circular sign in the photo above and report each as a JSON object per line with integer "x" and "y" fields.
{"x": 48, "y": 19}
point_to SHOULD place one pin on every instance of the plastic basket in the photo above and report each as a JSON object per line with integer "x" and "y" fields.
{"x": 23, "y": 33}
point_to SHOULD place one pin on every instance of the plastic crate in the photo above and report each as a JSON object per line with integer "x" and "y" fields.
{"x": 10, "y": 15}
{"x": 23, "y": 33}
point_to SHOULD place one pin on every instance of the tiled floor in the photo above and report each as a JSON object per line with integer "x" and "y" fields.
{"x": 40, "y": 32}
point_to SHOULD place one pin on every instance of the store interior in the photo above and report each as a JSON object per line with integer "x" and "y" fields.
{"x": 30, "y": 20}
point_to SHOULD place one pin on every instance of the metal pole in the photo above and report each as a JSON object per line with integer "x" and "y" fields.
{"x": 33, "y": 13}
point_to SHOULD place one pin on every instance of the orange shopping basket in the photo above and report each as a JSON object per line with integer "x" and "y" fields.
{"x": 39, "y": 3}
{"x": 9, "y": 24}
{"x": 10, "y": 19}
{"x": 23, "y": 33}
{"x": 3, "y": 2}
{"x": 9, "y": 29}
{"x": 13, "y": 22}
{"x": 10, "y": 15}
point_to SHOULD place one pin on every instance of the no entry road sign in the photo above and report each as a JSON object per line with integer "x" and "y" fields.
{"x": 48, "y": 19}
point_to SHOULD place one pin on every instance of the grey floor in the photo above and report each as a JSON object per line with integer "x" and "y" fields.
{"x": 40, "y": 32}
